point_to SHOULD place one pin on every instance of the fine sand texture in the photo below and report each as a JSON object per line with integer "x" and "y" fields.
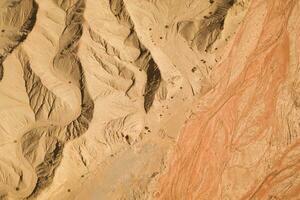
{"x": 149, "y": 99}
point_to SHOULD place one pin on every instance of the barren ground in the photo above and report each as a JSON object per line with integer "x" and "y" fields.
{"x": 150, "y": 99}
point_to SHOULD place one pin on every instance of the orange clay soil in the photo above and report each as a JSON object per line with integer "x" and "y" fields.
{"x": 240, "y": 145}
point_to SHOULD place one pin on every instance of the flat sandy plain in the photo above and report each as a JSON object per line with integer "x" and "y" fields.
{"x": 150, "y": 99}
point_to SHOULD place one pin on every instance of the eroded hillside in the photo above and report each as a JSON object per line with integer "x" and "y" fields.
{"x": 149, "y": 99}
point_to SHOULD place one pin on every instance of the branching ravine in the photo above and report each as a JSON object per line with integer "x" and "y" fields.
{"x": 43, "y": 100}
{"x": 24, "y": 31}
{"x": 108, "y": 48}
{"x": 145, "y": 61}
{"x": 209, "y": 28}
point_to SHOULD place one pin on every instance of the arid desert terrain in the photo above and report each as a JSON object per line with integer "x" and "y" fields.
{"x": 150, "y": 99}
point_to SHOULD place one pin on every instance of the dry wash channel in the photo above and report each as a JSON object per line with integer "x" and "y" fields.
{"x": 42, "y": 146}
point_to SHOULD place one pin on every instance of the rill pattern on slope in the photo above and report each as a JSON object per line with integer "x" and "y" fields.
{"x": 13, "y": 15}
{"x": 44, "y": 105}
{"x": 153, "y": 73}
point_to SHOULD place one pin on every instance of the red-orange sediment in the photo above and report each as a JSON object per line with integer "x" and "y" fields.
{"x": 236, "y": 148}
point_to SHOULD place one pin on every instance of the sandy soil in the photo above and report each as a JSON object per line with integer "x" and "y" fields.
{"x": 149, "y": 99}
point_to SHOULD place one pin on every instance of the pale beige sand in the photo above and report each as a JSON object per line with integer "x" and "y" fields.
{"x": 149, "y": 99}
